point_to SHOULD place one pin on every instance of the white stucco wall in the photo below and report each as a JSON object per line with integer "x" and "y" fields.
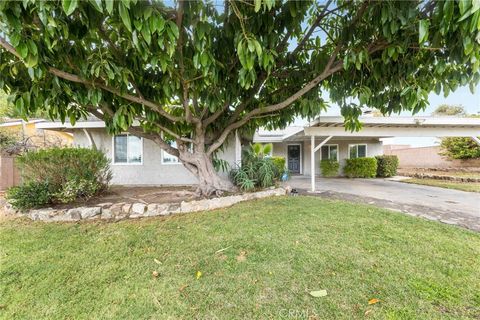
{"x": 151, "y": 171}
{"x": 374, "y": 148}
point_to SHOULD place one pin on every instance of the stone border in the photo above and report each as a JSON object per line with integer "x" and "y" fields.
{"x": 120, "y": 211}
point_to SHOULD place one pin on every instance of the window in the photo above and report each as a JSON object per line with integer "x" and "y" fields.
{"x": 330, "y": 152}
{"x": 127, "y": 149}
{"x": 357, "y": 151}
{"x": 167, "y": 158}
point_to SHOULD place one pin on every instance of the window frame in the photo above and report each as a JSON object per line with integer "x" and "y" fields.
{"x": 329, "y": 145}
{"x": 127, "y": 163}
{"x": 356, "y": 145}
{"x": 162, "y": 153}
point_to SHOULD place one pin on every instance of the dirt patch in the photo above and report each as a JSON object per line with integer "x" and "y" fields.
{"x": 137, "y": 194}
{"x": 471, "y": 175}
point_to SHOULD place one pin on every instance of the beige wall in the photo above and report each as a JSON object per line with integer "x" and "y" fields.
{"x": 151, "y": 171}
{"x": 374, "y": 148}
{"x": 428, "y": 157}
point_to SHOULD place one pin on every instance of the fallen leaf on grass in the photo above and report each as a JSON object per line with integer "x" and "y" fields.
{"x": 242, "y": 256}
{"x": 157, "y": 261}
{"x": 183, "y": 287}
{"x": 368, "y": 312}
{"x": 198, "y": 274}
{"x": 318, "y": 293}
{"x": 373, "y": 301}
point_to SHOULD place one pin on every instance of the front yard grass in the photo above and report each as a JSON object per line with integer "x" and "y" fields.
{"x": 256, "y": 260}
{"x": 463, "y": 186}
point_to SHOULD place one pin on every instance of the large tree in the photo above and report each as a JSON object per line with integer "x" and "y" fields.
{"x": 195, "y": 72}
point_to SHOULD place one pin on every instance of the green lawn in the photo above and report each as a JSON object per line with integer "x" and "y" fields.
{"x": 275, "y": 251}
{"x": 463, "y": 186}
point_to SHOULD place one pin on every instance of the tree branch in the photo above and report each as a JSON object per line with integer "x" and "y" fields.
{"x": 74, "y": 78}
{"x": 312, "y": 28}
{"x": 329, "y": 69}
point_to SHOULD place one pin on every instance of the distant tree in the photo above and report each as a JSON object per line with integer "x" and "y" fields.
{"x": 460, "y": 148}
{"x": 450, "y": 110}
{"x": 457, "y": 147}
{"x": 8, "y": 110}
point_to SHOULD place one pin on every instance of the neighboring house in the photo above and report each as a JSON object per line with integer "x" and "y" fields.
{"x": 139, "y": 162}
{"x": 427, "y": 157}
{"x": 37, "y": 137}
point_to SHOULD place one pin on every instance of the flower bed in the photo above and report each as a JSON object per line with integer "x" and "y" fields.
{"x": 123, "y": 210}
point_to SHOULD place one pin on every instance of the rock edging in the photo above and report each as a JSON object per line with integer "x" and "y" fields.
{"x": 122, "y": 210}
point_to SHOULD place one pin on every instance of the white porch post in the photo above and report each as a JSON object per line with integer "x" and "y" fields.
{"x": 312, "y": 161}
{"x": 313, "y": 149}
{"x": 476, "y": 140}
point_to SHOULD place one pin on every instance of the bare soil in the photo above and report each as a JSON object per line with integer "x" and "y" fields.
{"x": 132, "y": 194}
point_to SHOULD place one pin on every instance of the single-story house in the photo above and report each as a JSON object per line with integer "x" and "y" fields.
{"x": 139, "y": 162}
{"x": 326, "y": 138}
{"x": 134, "y": 160}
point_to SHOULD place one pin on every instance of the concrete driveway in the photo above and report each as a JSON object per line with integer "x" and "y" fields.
{"x": 448, "y": 206}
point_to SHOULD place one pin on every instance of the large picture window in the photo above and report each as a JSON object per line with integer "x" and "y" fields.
{"x": 357, "y": 151}
{"x": 329, "y": 152}
{"x": 127, "y": 149}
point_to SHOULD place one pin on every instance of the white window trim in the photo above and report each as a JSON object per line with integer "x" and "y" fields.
{"x": 301, "y": 155}
{"x": 328, "y": 145}
{"x": 126, "y": 163}
{"x": 358, "y": 144}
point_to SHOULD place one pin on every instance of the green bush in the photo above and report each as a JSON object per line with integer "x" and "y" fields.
{"x": 387, "y": 165}
{"x": 60, "y": 165}
{"x": 77, "y": 189}
{"x": 29, "y": 195}
{"x": 361, "y": 168}
{"x": 329, "y": 167}
{"x": 279, "y": 162}
{"x": 59, "y": 175}
{"x": 460, "y": 148}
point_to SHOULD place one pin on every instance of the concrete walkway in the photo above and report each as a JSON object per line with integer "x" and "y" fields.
{"x": 446, "y": 205}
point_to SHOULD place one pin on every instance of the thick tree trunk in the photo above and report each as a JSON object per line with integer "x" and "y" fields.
{"x": 209, "y": 182}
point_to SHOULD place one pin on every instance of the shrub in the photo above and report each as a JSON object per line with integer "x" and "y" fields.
{"x": 329, "y": 168}
{"x": 59, "y": 175}
{"x": 361, "y": 168}
{"x": 279, "y": 162}
{"x": 460, "y": 148}
{"x": 60, "y": 165}
{"x": 29, "y": 195}
{"x": 77, "y": 189}
{"x": 387, "y": 165}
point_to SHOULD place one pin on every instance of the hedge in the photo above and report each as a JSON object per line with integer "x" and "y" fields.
{"x": 329, "y": 168}
{"x": 387, "y": 165}
{"x": 361, "y": 168}
{"x": 59, "y": 175}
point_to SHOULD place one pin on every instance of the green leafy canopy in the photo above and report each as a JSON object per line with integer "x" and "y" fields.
{"x": 197, "y": 71}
